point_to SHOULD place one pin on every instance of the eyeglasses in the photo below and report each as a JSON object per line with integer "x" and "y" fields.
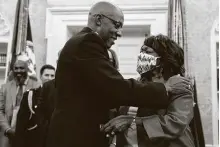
{"x": 117, "y": 24}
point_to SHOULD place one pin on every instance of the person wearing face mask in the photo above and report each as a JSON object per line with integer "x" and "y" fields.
{"x": 88, "y": 85}
{"x": 160, "y": 58}
{"x": 11, "y": 95}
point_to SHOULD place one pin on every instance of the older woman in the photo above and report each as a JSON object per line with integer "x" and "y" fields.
{"x": 160, "y": 58}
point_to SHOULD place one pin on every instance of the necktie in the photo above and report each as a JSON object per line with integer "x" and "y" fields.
{"x": 17, "y": 105}
{"x": 19, "y": 95}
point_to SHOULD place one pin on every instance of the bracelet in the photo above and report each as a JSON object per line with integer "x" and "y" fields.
{"x": 6, "y": 132}
{"x": 113, "y": 144}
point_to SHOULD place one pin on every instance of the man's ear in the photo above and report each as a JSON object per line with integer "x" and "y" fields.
{"x": 98, "y": 20}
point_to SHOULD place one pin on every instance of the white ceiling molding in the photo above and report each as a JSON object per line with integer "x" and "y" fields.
{"x": 60, "y": 20}
{"x": 77, "y": 16}
{"x": 53, "y": 3}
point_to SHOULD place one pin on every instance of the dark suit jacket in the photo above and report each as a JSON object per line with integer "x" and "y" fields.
{"x": 48, "y": 101}
{"x": 31, "y": 128}
{"x": 87, "y": 87}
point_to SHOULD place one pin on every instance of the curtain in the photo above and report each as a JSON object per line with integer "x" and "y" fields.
{"x": 177, "y": 26}
{"x": 177, "y": 32}
{"x": 21, "y": 39}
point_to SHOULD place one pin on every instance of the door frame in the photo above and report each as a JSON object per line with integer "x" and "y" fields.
{"x": 215, "y": 113}
{"x": 60, "y": 19}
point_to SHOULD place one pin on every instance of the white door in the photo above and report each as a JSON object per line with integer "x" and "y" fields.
{"x": 128, "y": 47}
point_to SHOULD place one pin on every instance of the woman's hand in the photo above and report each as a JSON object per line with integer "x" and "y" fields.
{"x": 118, "y": 124}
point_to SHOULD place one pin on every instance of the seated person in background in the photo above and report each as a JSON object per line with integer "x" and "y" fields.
{"x": 36, "y": 105}
{"x": 160, "y": 58}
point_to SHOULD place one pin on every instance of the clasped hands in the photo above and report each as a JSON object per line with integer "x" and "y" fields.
{"x": 174, "y": 85}
{"x": 117, "y": 124}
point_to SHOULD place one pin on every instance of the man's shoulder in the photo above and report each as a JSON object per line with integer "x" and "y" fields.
{"x": 8, "y": 84}
{"x": 82, "y": 47}
{"x": 94, "y": 38}
{"x": 85, "y": 45}
{"x": 33, "y": 89}
{"x": 74, "y": 42}
{"x": 84, "y": 36}
{"x": 32, "y": 83}
{"x": 49, "y": 85}
{"x": 5, "y": 86}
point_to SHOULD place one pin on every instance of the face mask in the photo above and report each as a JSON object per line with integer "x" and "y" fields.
{"x": 146, "y": 63}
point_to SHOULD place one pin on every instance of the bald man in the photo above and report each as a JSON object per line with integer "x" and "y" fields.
{"x": 11, "y": 95}
{"x": 88, "y": 85}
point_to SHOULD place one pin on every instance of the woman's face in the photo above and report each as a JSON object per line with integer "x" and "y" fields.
{"x": 157, "y": 73}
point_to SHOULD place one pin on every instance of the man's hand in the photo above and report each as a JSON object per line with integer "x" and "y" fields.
{"x": 118, "y": 124}
{"x": 177, "y": 84}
